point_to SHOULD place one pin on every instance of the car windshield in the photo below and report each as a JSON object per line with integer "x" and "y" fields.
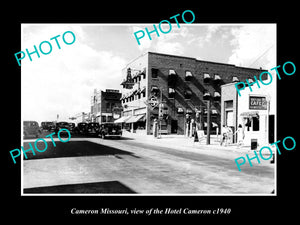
{"x": 93, "y": 125}
{"x": 29, "y": 123}
{"x": 63, "y": 124}
{"x": 112, "y": 125}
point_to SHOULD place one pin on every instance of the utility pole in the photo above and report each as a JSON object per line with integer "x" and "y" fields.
{"x": 160, "y": 104}
{"x": 208, "y": 123}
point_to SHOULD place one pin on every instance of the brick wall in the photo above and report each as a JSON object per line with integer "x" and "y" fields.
{"x": 163, "y": 63}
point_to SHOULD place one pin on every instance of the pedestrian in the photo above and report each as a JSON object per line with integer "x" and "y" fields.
{"x": 155, "y": 128}
{"x": 192, "y": 128}
{"x": 224, "y": 135}
{"x": 240, "y": 135}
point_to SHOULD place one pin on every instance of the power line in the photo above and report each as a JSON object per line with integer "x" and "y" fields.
{"x": 261, "y": 55}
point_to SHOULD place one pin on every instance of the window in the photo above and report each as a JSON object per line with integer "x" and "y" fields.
{"x": 217, "y": 79}
{"x": 188, "y": 75}
{"x": 206, "y": 78}
{"x": 154, "y": 73}
{"x": 217, "y": 96}
{"x": 144, "y": 73}
{"x": 250, "y": 80}
{"x": 187, "y": 94}
{"x": 228, "y": 104}
{"x": 206, "y": 96}
{"x": 172, "y": 72}
{"x": 255, "y": 123}
{"x": 107, "y": 106}
{"x": 171, "y": 92}
{"x": 235, "y": 79}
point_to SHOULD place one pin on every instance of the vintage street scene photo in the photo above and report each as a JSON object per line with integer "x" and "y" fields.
{"x": 149, "y": 109}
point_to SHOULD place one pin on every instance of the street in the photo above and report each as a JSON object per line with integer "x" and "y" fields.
{"x": 142, "y": 165}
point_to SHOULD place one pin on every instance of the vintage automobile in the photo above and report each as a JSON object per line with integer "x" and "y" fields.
{"x": 72, "y": 127}
{"x": 31, "y": 128}
{"x": 46, "y": 125}
{"x": 110, "y": 130}
{"x": 60, "y": 125}
{"x": 81, "y": 128}
{"x": 93, "y": 128}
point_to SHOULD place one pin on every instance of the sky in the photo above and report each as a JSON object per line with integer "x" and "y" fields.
{"x": 62, "y": 82}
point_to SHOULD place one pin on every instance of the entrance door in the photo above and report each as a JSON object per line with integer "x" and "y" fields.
{"x": 271, "y": 128}
{"x": 229, "y": 118}
{"x": 174, "y": 126}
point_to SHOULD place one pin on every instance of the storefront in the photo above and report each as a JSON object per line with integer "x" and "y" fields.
{"x": 254, "y": 112}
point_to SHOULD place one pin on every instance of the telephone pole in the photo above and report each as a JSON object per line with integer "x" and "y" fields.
{"x": 208, "y": 123}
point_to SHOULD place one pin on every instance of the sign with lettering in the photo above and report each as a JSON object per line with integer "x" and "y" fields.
{"x": 256, "y": 102}
{"x": 152, "y": 101}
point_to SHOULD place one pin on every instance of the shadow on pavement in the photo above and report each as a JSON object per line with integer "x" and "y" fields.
{"x": 72, "y": 149}
{"x": 105, "y": 187}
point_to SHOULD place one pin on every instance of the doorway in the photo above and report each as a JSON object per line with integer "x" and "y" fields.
{"x": 174, "y": 126}
{"x": 271, "y": 128}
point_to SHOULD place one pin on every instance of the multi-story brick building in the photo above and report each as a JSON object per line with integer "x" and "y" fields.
{"x": 105, "y": 105}
{"x": 182, "y": 84}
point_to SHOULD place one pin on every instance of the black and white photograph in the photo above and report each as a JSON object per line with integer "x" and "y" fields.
{"x": 163, "y": 117}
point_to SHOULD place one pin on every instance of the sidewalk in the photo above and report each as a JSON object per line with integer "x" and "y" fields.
{"x": 181, "y": 142}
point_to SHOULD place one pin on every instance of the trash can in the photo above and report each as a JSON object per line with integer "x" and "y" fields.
{"x": 253, "y": 144}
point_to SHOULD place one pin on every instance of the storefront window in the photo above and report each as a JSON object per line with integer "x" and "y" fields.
{"x": 154, "y": 73}
{"x": 255, "y": 122}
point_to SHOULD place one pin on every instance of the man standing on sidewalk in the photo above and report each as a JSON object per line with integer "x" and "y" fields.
{"x": 155, "y": 128}
{"x": 224, "y": 134}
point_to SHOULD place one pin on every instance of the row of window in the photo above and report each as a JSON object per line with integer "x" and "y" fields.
{"x": 134, "y": 96}
{"x": 188, "y": 76}
{"x": 188, "y": 94}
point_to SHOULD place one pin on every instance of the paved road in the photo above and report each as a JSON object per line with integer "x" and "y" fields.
{"x": 93, "y": 165}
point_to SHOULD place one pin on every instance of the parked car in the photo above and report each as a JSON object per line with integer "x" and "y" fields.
{"x": 110, "y": 130}
{"x": 60, "y": 125}
{"x": 72, "y": 127}
{"x": 82, "y": 128}
{"x": 31, "y": 128}
{"x": 48, "y": 126}
{"x": 93, "y": 128}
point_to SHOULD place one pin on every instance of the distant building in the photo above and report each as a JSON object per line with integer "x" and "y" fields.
{"x": 182, "y": 84}
{"x": 105, "y": 106}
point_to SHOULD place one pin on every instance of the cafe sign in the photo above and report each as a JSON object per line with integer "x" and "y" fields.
{"x": 258, "y": 103}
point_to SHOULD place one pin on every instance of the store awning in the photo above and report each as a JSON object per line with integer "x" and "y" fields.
{"x": 134, "y": 119}
{"x": 122, "y": 119}
{"x": 212, "y": 123}
{"x": 250, "y": 114}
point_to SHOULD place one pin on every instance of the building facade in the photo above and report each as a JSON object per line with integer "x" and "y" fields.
{"x": 105, "y": 106}
{"x": 254, "y": 110}
{"x": 182, "y": 84}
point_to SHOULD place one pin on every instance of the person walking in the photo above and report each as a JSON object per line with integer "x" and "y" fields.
{"x": 240, "y": 136}
{"x": 224, "y": 137}
{"x": 155, "y": 128}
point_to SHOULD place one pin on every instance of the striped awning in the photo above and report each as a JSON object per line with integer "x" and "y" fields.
{"x": 134, "y": 119}
{"x": 122, "y": 119}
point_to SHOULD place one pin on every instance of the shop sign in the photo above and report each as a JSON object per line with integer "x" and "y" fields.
{"x": 259, "y": 103}
{"x": 153, "y": 101}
